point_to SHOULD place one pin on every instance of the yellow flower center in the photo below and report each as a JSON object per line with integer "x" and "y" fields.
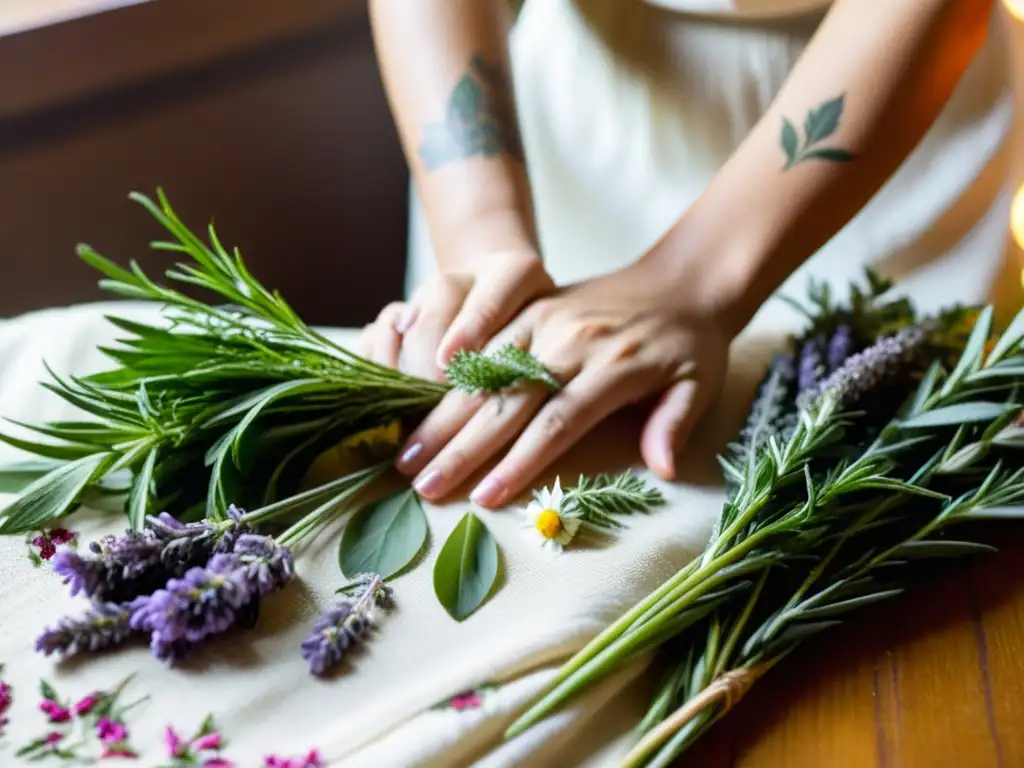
{"x": 549, "y": 524}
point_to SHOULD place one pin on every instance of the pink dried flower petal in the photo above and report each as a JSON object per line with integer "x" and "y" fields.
{"x": 218, "y": 762}
{"x": 175, "y": 746}
{"x": 119, "y": 751}
{"x": 209, "y": 741}
{"x": 111, "y": 731}
{"x": 54, "y": 738}
{"x": 468, "y": 700}
{"x": 85, "y": 706}
{"x": 55, "y": 712}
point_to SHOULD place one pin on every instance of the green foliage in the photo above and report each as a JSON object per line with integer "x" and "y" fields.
{"x": 599, "y": 500}
{"x": 466, "y": 568}
{"x": 384, "y": 536}
{"x": 814, "y": 533}
{"x": 221, "y": 403}
{"x": 506, "y": 367}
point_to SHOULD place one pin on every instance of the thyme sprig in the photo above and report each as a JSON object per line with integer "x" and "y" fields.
{"x": 803, "y": 538}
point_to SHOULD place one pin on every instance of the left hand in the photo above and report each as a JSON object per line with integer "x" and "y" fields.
{"x": 612, "y": 341}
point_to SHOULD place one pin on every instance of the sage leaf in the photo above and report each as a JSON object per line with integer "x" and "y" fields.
{"x": 53, "y": 494}
{"x": 383, "y": 537}
{"x": 66, "y": 452}
{"x": 823, "y": 121}
{"x": 961, "y": 413}
{"x": 466, "y": 568}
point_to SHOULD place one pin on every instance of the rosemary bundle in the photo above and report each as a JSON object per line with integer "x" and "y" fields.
{"x": 832, "y": 503}
{"x": 226, "y": 403}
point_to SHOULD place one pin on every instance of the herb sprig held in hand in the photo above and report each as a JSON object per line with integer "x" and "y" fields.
{"x": 226, "y": 403}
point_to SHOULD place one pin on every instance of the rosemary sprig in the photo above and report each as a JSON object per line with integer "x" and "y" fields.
{"x": 599, "y": 500}
{"x": 797, "y": 504}
{"x": 225, "y": 403}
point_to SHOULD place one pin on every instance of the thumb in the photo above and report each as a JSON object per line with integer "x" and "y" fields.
{"x": 669, "y": 427}
{"x": 492, "y": 302}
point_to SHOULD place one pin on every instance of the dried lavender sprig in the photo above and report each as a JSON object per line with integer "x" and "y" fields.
{"x": 104, "y": 625}
{"x": 840, "y": 346}
{"x": 812, "y": 364}
{"x": 346, "y": 625}
{"x": 120, "y": 568}
{"x": 210, "y": 600}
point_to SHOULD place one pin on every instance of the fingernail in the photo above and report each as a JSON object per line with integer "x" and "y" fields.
{"x": 490, "y": 493}
{"x": 406, "y": 319}
{"x": 428, "y": 484}
{"x": 409, "y": 455}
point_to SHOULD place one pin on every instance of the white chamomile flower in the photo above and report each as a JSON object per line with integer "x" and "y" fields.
{"x": 548, "y": 522}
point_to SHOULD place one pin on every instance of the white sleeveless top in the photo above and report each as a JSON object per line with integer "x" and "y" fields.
{"x": 628, "y": 109}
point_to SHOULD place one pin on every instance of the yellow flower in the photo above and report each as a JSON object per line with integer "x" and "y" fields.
{"x": 547, "y": 522}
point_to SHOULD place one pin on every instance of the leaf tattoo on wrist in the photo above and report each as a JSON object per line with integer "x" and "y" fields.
{"x": 479, "y": 120}
{"x": 819, "y": 124}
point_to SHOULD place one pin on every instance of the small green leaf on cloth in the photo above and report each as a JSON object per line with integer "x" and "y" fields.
{"x": 384, "y": 536}
{"x": 466, "y": 568}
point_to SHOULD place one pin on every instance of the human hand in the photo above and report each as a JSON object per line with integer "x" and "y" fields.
{"x": 611, "y": 342}
{"x": 460, "y": 309}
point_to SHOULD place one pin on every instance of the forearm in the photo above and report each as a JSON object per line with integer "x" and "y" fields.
{"x": 783, "y": 194}
{"x": 445, "y": 68}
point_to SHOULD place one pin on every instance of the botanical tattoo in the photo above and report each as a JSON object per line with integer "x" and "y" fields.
{"x": 479, "y": 120}
{"x": 819, "y": 124}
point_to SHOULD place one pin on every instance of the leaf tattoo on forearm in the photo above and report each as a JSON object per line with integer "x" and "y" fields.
{"x": 479, "y": 119}
{"x": 819, "y": 124}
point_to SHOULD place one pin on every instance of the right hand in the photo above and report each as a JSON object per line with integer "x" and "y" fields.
{"x": 454, "y": 310}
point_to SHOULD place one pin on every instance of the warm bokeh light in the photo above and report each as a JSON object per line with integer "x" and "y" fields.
{"x": 1016, "y": 7}
{"x": 1017, "y": 222}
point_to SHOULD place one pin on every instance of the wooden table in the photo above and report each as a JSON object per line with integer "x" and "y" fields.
{"x": 934, "y": 679}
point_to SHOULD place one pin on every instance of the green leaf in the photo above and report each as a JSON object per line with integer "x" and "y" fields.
{"x": 1010, "y": 437}
{"x": 892, "y": 484}
{"x": 15, "y": 477}
{"x": 993, "y": 513}
{"x": 915, "y": 550}
{"x": 795, "y": 633}
{"x": 823, "y": 121}
{"x": 832, "y": 154}
{"x": 47, "y": 691}
{"x": 971, "y": 357}
{"x": 789, "y": 141}
{"x": 963, "y": 459}
{"x": 955, "y": 415}
{"x": 67, "y": 452}
{"x": 492, "y": 372}
{"x": 54, "y": 494}
{"x": 1010, "y": 341}
{"x": 383, "y": 537}
{"x": 466, "y": 568}
{"x": 844, "y": 606}
{"x": 253, "y": 403}
{"x": 138, "y": 500}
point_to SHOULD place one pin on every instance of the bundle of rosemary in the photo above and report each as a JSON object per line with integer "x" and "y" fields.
{"x": 223, "y": 404}
{"x": 834, "y": 495}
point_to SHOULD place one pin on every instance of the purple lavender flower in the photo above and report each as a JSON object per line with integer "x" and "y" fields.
{"x": 839, "y": 347}
{"x": 120, "y": 568}
{"x": 812, "y": 365}
{"x": 209, "y": 600}
{"x": 874, "y": 367}
{"x": 204, "y": 602}
{"x": 344, "y": 626}
{"x": 103, "y": 626}
{"x": 770, "y": 406}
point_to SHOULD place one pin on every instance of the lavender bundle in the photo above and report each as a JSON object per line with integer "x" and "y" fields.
{"x": 820, "y": 509}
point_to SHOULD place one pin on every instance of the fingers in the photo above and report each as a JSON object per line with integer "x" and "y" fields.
{"x": 380, "y": 341}
{"x": 494, "y": 300}
{"x": 669, "y": 427}
{"x": 487, "y": 432}
{"x": 592, "y": 396}
{"x": 434, "y": 432}
{"x": 437, "y": 307}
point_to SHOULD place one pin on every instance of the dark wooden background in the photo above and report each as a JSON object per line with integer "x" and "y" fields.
{"x": 267, "y": 115}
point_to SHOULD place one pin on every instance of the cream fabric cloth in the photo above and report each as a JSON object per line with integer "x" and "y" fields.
{"x": 379, "y": 713}
{"x": 627, "y": 111}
